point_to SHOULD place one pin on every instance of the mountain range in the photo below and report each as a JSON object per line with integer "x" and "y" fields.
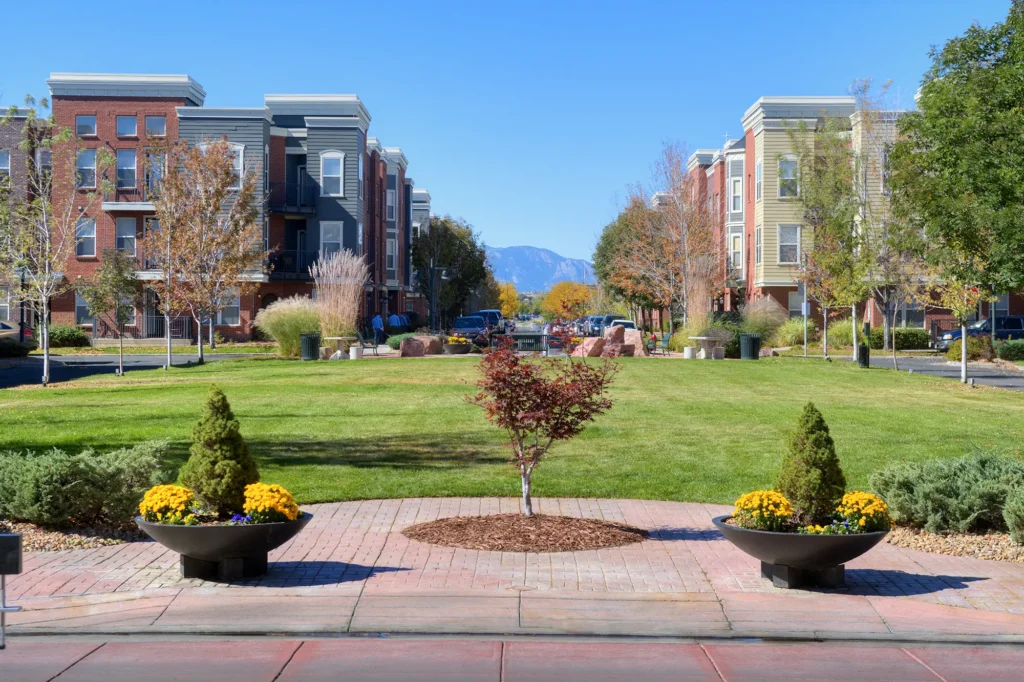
{"x": 535, "y": 269}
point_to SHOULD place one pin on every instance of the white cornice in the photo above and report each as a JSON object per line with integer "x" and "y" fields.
{"x": 410, "y": 182}
{"x": 373, "y": 145}
{"x": 421, "y": 196}
{"x": 797, "y": 107}
{"x": 336, "y": 122}
{"x": 223, "y": 112}
{"x": 396, "y": 156}
{"x": 176, "y": 86}
{"x": 701, "y": 157}
{"x": 318, "y": 105}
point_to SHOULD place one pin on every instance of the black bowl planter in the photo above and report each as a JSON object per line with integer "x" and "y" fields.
{"x": 795, "y": 559}
{"x": 224, "y": 552}
{"x": 457, "y": 348}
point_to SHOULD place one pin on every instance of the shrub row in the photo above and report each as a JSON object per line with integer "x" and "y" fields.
{"x": 67, "y": 336}
{"x": 1011, "y": 350}
{"x": 55, "y": 488}
{"x": 978, "y": 348}
{"x": 968, "y": 493}
{"x": 11, "y": 348}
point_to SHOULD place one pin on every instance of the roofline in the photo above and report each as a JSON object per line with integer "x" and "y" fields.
{"x": 170, "y": 86}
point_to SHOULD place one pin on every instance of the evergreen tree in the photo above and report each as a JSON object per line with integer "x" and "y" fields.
{"x": 811, "y": 477}
{"x": 219, "y": 467}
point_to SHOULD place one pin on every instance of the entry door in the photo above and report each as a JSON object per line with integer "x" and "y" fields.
{"x": 303, "y": 259}
{"x": 301, "y": 179}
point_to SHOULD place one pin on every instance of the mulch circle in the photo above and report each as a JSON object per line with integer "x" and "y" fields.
{"x": 520, "y": 533}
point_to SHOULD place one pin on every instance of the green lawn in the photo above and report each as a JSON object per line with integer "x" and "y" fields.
{"x": 697, "y": 431}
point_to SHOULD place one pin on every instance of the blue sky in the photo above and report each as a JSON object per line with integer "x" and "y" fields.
{"x": 528, "y": 119}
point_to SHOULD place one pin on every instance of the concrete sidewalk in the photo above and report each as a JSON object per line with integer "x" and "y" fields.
{"x": 505, "y": 660}
{"x": 352, "y": 571}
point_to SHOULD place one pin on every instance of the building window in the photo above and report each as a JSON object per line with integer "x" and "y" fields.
{"x": 44, "y": 162}
{"x": 359, "y": 239}
{"x": 330, "y": 238}
{"x": 757, "y": 246}
{"x": 415, "y": 230}
{"x": 85, "y": 126}
{"x": 757, "y": 180}
{"x": 82, "y": 315}
{"x": 85, "y": 236}
{"x": 128, "y": 307}
{"x": 127, "y": 126}
{"x": 154, "y": 169}
{"x": 789, "y": 244}
{"x": 362, "y": 180}
{"x": 883, "y": 170}
{"x": 125, "y": 235}
{"x": 266, "y": 168}
{"x": 5, "y": 304}
{"x": 5, "y": 163}
{"x": 796, "y": 304}
{"x": 911, "y": 315}
{"x": 86, "y": 168}
{"x": 391, "y": 204}
{"x": 737, "y": 195}
{"x": 332, "y": 165}
{"x": 150, "y": 227}
{"x": 126, "y": 168}
{"x": 238, "y": 159}
{"x": 736, "y": 254}
{"x": 392, "y": 250}
{"x": 156, "y": 126}
{"x": 789, "y": 187}
{"x": 230, "y": 314}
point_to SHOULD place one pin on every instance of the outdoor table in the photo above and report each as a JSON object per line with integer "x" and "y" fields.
{"x": 339, "y": 339}
{"x": 707, "y": 345}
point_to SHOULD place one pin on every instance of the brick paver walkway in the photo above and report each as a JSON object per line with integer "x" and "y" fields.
{"x": 354, "y": 549}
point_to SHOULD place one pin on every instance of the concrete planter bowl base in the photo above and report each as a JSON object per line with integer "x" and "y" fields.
{"x": 457, "y": 348}
{"x": 224, "y": 553}
{"x": 793, "y": 560}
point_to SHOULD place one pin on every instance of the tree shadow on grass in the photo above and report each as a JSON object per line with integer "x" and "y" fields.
{"x": 316, "y": 573}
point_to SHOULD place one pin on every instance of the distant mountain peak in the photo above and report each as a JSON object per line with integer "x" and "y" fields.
{"x": 532, "y": 268}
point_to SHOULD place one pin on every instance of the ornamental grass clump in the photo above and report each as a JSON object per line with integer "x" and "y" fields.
{"x": 763, "y": 510}
{"x": 811, "y": 477}
{"x": 286, "y": 320}
{"x": 219, "y": 467}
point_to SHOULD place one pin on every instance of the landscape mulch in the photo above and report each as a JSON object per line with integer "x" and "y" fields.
{"x": 38, "y": 539}
{"x": 993, "y": 546}
{"x": 520, "y": 533}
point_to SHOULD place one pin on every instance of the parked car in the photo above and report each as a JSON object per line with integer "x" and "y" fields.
{"x": 1009, "y": 327}
{"x": 628, "y": 324}
{"x": 493, "y": 318}
{"x": 605, "y": 322}
{"x": 9, "y": 330}
{"x": 592, "y": 324}
{"x": 470, "y": 327}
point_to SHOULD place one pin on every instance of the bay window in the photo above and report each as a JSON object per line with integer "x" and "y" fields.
{"x": 332, "y": 165}
{"x": 789, "y": 244}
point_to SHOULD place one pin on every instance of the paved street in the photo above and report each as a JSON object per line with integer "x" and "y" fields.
{"x": 351, "y": 570}
{"x": 506, "y": 660}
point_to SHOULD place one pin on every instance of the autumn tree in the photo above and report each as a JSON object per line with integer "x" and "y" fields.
{"x": 567, "y": 300}
{"x": 210, "y": 241}
{"x": 113, "y": 294}
{"x": 958, "y": 163}
{"x": 538, "y": 402}
{"x": 509, "y": 299}
{"x": 40, "y": 225}
{"x": 616, "y": 280}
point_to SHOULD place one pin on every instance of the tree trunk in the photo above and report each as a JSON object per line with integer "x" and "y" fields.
{"x": 199, "y": 339}
{"x": 963, "y": 353}
{"x": 895, "y": 362}
{"x": 213, "y": 342}
{"x": 527, "y": 499}
{"x": 44, "y": 325}
{"x": 854, "y": 327}
{"x": 886, "y": 303}
{"x": 824, "y": 330}
{"x": 120, "y": 352}
{"x": 167, "y": 333}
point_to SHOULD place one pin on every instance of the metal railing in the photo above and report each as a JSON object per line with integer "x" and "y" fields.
{"x": 292, "y": 197}
{"x": 138, "y": 194}
{"x": 148, "y": 326}
{"x": 292, "y": 262}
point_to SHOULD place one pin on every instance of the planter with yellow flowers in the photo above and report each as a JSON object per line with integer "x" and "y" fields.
{"x": 457, "y": 345}
{"x": 223, "y": 521}
{"x": 806, "y": 530}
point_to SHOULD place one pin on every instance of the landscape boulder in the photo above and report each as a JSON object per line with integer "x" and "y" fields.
{"x": 431, "y": 344}
{"x": 768, "y": 353}
{"x": 325, "y": 352}
{"x": 590, "y": 348}
{"x": 412, "y": 348}
{"x": 636, "y": 338}
{"x": 618, "y": 350}
{"x": 616, "y": 334}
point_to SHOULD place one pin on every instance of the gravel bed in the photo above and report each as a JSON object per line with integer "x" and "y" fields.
{"x": 519, "y": 533}
{"x": 992, "y": 546}
{"x": 37, "y": 539}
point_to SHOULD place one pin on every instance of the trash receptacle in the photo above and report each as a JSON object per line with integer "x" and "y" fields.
{"x": 864, "y": 356}
{"x": 310, "y": 346}
{"x": 750, "y": 346}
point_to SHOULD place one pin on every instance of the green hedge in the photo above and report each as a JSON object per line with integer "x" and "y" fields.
{"x": 978, "y": 348}
{"x": 965, "y": 493}
{"x": 1011, "y": 350}
{"x": 395, "y": 342}
{"x": 57, "y": 489}
{"x": 11, "y": 348}
{"x": 66, "y": 336}
{"x": 906, "y": 338}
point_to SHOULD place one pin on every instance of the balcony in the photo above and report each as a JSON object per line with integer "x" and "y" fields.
{"x": 292, "y": 198}
{"x": 128, "y": 199}
{"x": 292, "y": 264}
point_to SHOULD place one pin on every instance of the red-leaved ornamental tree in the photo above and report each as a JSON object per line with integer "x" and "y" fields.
{"x": 539, "y": 402}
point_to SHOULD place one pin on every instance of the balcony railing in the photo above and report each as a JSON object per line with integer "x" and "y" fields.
{"x": 292, "y": 264}
{"x": 147, "y": 326}
{"x": 125, "y": 195}
{"x": 292, "y": 197}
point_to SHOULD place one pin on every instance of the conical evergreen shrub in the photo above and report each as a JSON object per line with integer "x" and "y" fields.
{"x": 219, "y": 466}
{"x": 811, "y": 477}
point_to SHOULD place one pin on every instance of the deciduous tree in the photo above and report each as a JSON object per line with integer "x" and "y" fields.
{"x": 450, "y": 263}
{"x": 113, "y": 294}
{"x": 567, "y": 300}
{"x": 509, "y": 299}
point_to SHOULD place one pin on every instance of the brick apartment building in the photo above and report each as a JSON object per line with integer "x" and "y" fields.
{"x": 325, "y": 186}
{"x": 752, "y": 189}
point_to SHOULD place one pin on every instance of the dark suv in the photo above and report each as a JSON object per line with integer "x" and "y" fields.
{"x": 1010, "y": 327}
